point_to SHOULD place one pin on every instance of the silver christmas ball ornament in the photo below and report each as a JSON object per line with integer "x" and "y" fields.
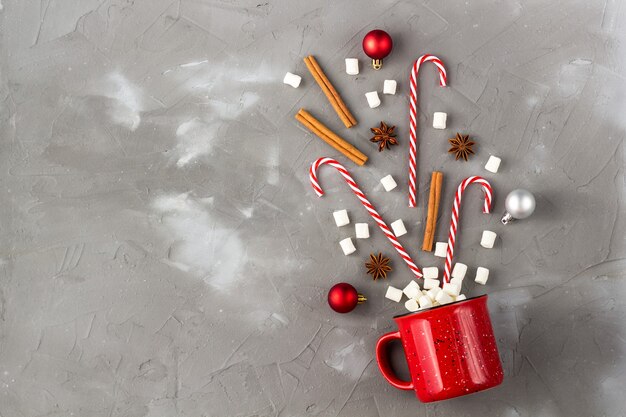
{"x": 519, "y": 204}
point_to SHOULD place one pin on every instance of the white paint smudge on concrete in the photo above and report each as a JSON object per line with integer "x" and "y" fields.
{"x": 281, "y": 318}
{"x": 177, "y": 265}
{"x": 198, "y": 242}
{"x": 195, "y": 138}
{"x": 186, "y": 65}
{"x": 128, "y": 102}
{"x": 193, "y": 64}
{"x": 349, "y": 360}
{"x": 247, "y": 212}
{"x": 195, "y": 134}
{"x": 273, "y": 175}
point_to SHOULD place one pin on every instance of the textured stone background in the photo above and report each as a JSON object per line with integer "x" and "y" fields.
{"x": 164, "y": 255}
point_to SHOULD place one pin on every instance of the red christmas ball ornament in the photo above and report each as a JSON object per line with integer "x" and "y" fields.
{"x": 343, "y": 298}
{"x": 377, "y": 44}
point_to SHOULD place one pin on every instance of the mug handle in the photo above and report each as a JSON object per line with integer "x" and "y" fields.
{"x": 382, "y": 357}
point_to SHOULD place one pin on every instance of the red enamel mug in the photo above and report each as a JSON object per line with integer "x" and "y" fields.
{"x": 450, "y": 350}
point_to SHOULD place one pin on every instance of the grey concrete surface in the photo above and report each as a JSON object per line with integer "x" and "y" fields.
{"x": 164, "y": 255}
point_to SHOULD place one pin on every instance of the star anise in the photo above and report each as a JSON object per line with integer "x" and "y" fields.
{"x": 384, "y": 136}
{"x": 378, "y": 266}
{"x": 461, "y": 146}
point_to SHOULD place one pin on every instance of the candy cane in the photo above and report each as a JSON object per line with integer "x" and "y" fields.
{"x": 455, "y": 216}
{"x": 413, "y": 117}
{"x": 370, "y": 208}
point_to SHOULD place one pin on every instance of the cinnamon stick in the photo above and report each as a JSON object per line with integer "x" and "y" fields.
{"x": 436, "y": 181}
{"x": 331, "y": 94}
{"x": 328, "y": 136}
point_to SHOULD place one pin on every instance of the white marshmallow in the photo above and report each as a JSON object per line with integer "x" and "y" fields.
{"x": 394, "y": 294}
{"x": 488, "y": 239}
{"x": 347, "y": 246}
{"x": 459, "y": 270}
{"x": 440, "y": 249}
{"x": 457, "y": 281}
{"x": 482, "y": 275}
{"x": 292, "y": 79}
{"x": 398, "y": 228}
{"x": 372, "y": 99}
{"x": 443, "y": 298}
{"x": 431, "y": 272}
{"x": 461, "y": 297}
{"x": 412, "y": 290}
{"x": 439, "y": 120}
{"x": 425, "y": 301}
{"x": 431, "y": 283}
{"x": 411, "y": 305}
{"x": 352, "y": 66}
{"x": 341, "y": 217}
{"x": 389, "y": 87}
{"x": 388, "y": 182}
{"x": 493, "y": 164}
{"x": 362, "y": 230}
{"x": 451, "y": 289}
{"x": 432, "y": 293}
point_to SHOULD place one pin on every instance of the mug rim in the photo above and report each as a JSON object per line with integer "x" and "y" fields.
{"x": 404, "y": 315}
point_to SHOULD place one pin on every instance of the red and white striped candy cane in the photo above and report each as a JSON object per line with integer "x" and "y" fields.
{"x": 454, "y": 221}
{"x": 370, "y": 208}
{"x": 413, "y": 118}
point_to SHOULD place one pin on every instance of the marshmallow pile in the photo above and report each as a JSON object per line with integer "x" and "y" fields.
{"x": 432, "y": 295}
